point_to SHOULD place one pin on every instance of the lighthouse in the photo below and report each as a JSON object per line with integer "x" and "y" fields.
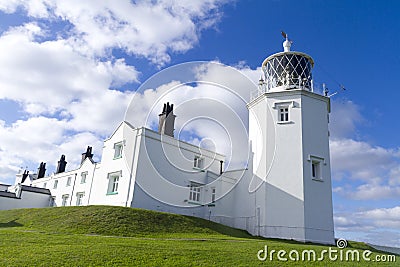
{"x": 288, "y": 131}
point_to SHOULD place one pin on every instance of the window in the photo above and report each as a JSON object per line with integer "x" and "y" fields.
{"x": 79, "y": 198}
{"x": 65, "y": 200}
{"x": 55, "y": 184}
{"x": 283, "y": 113}
{"x": 118, "y": 150}
{"x": 316, "y": 170}
{"x": 316, "y": 163}
{"x": 52, "y": 202}
{"x": 113, "y": 180}
{"x": 195, "y": 190}
{"x": 213, "y": 194}
{"x": 198, "y": 162}
{"x": 83, "y": 177}
{"x": 69, "y": 181}
{"x": 44, "y": 185}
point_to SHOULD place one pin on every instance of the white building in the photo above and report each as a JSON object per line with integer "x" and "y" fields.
{"x": 284, "y": 193}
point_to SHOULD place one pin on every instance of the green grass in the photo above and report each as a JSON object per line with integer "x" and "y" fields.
{"x": 117, "y": 236}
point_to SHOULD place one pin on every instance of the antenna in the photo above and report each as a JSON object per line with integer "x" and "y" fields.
{"x": 335, "y": 93}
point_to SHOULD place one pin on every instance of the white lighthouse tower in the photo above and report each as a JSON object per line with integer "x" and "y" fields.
{"x": 288, "y": 129}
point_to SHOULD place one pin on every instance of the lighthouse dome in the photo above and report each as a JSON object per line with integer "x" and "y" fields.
{"x": 288, "y": 70}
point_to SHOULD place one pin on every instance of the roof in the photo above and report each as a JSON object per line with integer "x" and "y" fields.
{"x": 7, "y": 194}
{"x": 116, "y": 129}
{"x": 35, "y": 189}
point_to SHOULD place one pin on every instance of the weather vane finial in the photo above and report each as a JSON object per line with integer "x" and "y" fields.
{"x": 287, "y": 43}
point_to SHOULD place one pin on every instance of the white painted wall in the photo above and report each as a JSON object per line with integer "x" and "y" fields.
{"x": 293, "y": 201}
{"x": 24, "y": 199}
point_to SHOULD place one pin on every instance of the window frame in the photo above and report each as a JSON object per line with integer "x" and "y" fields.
{"x": 64, "y": 200}
{"x": 113, "y": 182}
{"x": 213, "y": 194}
{"x": 284, "y": 111}
{"x": 120, "y": 146}
{"x": 198, "y": 162}
{"x": 195, "y": 192}
{"x": 316, "y": 164}
{"x": 79, "y": 198}
{"x": 283, "y": 114}
{"x": 69, "y": 180}
{"x": 83, "y": 174}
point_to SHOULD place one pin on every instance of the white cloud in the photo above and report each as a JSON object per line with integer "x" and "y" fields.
{"x": 373, "y": 225}
{"x": 209, "y": 101}
{"x": 364, "y": 171}
{"x": 67, "y": 80}
{"x": 375, "y": 167}
{"x": 345, "y": 117}
{"x": 48, "y": 76}
{"x": 361, "y": 159}
{"x": 144, "y": 28}
{"x": 23, "y": 143}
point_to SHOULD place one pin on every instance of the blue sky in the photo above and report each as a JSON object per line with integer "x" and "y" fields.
{"x": 64, "y": 66}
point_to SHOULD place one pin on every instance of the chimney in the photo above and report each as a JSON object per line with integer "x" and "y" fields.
{"x": 61, "y": 164}
{"x": 24, "y": 176}
{"x": 167, "y": 120}
{"x": 41, "y": 170}
{"x": 87, "y": 154}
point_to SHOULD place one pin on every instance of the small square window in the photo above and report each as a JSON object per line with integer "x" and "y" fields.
{"x": 118, "y": 150}
{"x": 83, "y": 177}
{"x": 69, "y": 181}
{"x": 113, "y": 181}
{"x": 79, "y": 198}
{"x": 64, "y": 200}
{"x": 283, "y": 113}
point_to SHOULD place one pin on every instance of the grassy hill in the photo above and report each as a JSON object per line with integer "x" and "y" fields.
{"x": 118, "y": 236}
{"x": 113, "y": 221}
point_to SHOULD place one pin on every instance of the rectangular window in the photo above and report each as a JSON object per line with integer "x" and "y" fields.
{"x": 316, "y": 170}
{"x": 55, "y": 184}
{"x": 198, "y": 162}
{"x": 53, "y": 202}
{"x": 79, "y": 198}
{"x": 64, "y": 200}
{"x": 195, "y": 190}
{"x": 83, "y": 177}
{"x": 118, "y": 150}
{"x": 213, "y": 194}
{"x": 113, "y": 180}
{"x": 283, "y": 113}
{"x": 69, "y": 181}
{"x": 44, "y": 185}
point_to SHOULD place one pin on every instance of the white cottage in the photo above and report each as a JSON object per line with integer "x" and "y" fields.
{"x": 284, "y": 193}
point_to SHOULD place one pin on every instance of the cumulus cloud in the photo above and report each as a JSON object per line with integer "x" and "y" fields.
{"x": 209, "y": 101}
{"x": 144, "y": 28}
{"x": 374, "y": 225}
{"x": 67, "y": 80}
{"x": 376, "y": 168}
